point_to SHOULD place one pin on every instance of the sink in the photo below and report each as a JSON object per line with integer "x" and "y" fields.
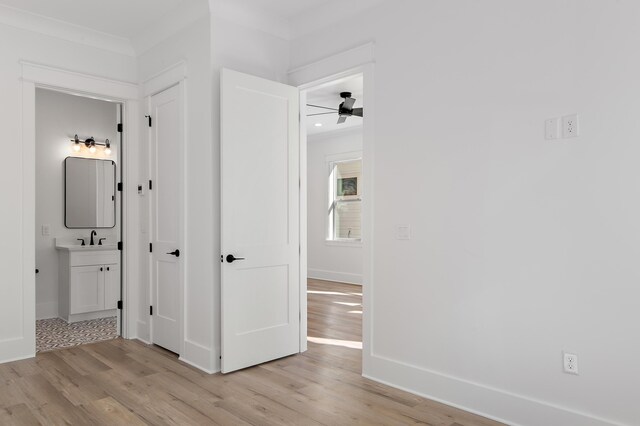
{"x": 77, "y": 247}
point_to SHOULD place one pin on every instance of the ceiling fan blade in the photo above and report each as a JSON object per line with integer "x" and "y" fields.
{"x": 320, "y": 113}
{"x": 348, "y": 103}
{"x": 342, "y": 119}
{"x": 358, "y": 111}
{"x": 323, "y": 107}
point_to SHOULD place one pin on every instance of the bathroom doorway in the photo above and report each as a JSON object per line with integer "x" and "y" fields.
{"x": 78, "y": 219}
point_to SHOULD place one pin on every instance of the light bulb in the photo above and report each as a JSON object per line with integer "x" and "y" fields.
{"x": 76, "y": 147}
{"x": 92, "y": 149}
{"x": 107, "y": 151}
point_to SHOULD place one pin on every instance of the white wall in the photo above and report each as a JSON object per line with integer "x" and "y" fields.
{"x": 521, "y": 248}
{"x": 17, "y": 299}
{"x": 328, "y": 260}
{"x": 59, "y": 117}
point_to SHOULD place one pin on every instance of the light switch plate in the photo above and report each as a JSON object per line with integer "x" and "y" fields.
{"x": 552, "y": 128}
{"x": 403, "y": 232}
{"x": 46, "y": 230}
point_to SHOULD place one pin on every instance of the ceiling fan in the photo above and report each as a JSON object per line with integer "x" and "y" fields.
{"x": 345, "y": 109}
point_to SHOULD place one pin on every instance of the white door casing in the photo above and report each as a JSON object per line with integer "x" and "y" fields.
{"x": 260, "y": 295}
{"x": 166, "y": 217}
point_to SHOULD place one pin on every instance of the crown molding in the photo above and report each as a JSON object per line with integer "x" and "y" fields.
{"x": 40, "y": 24}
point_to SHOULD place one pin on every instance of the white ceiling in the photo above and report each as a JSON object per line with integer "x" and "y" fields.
{"x": 329, "y": 96}
{"x": 122, "y": 18}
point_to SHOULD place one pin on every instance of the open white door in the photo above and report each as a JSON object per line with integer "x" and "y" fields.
{"x": 260, "y": 220}
{"x": 166, "y": 189}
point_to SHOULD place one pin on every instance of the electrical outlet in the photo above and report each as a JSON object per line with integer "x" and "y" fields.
{"x": 551, "y": 128}
{"x": 570, "y": 126}
{"x": 570, "y": 363}
{"x": 403, "y": 232}
{"x": 46, "y": 230}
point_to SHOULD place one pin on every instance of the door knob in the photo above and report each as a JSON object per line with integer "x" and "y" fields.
{"x": 231, "y": 258}
{"x": 175, "y": 253}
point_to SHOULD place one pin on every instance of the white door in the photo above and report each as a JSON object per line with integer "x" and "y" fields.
{"x": 260, "y": 220}
{"x": 166, "y": 217}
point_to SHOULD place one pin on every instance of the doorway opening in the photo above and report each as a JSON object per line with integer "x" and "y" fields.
{"x": 335, "y": 112}
{"x": 78, "y": 219}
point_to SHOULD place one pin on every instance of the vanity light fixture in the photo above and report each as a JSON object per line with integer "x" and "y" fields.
{"x": 91, "y": 144}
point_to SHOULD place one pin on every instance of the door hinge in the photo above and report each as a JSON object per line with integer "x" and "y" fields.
{"x": 120, "y": 245}
{"x": 119, "y": 127}
{"x": 149, "y": 117}
{"x": 150, "y": 310}
{"x": 150, "y": 185}
{"x": 120, "y": 186}
{"x": 119, "y": 304}
{"x": 150, "y": 247}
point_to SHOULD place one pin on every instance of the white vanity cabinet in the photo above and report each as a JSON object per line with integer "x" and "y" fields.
{"x": 89, "y": 285}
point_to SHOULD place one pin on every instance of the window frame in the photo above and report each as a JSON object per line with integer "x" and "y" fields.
{"x": 331, "y": 200}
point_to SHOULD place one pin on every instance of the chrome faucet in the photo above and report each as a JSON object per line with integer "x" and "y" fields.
{"x": 93, "y": 234}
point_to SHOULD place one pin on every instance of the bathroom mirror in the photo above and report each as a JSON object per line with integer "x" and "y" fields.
{"x": 90, "y": 193}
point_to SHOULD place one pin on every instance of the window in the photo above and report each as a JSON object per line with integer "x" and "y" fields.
{"x": 345, "y": 201}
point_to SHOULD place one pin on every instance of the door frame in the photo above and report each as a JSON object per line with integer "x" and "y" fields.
{"x": 175, "y": 75}
{"x": 359, "y": 60}
{"x": 36, "y": 76}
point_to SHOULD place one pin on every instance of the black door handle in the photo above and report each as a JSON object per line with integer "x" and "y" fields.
{"x": 231, "y": 258}
{"x": 175, "y": 253}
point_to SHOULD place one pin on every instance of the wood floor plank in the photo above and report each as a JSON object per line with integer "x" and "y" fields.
{"x": 123, "y": 382}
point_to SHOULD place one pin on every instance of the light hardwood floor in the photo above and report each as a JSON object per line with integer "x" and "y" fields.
{"x": 122, "y": 382}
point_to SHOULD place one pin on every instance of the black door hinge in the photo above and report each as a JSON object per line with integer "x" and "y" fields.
{"x": 150, "y": 185}
{"x": 150, "y": 310}
{"x": 120, "y": 186}
{"x": 120, "y": 245}
{"x": 150, "y": 247}
{"x": 119, "y": 304}
{"x": 149, "y": 117}
{"x": 119, "y": 127}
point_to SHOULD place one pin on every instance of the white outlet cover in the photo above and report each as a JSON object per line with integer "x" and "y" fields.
{"x": 403, "y": 232}
{"x": 46, "y": 230}
{"x": 552, "y": 129}
{"x": 570, "y": 126}
{"x": 570, "y": 363}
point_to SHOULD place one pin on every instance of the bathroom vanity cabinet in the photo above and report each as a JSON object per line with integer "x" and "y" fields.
{"x": 89, "y": 284}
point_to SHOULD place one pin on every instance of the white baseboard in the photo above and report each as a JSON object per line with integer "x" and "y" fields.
{"x": 197, "y": 356}
{"x": 495, "y": 404}
{"x": 341, "y": 277}
{"x": 46, "y": 310}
